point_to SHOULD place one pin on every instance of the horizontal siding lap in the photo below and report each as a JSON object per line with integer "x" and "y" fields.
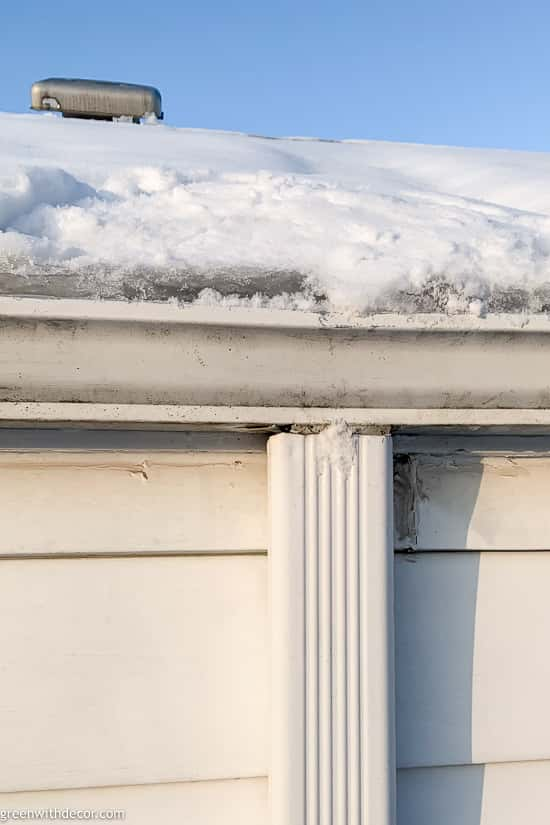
{"x": 231, "y": 802}
{"x": 473, "y": 502}
{"x": 473, "y": 674}
{"x": 136, "y": 670}
{"x": 112, "y": 502}
{"x": 493, "y": 794}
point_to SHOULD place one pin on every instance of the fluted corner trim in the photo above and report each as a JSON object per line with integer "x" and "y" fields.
{"x": 331, "y": 563}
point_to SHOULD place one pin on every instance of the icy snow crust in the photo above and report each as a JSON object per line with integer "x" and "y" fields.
{"x": 118, "y": 210}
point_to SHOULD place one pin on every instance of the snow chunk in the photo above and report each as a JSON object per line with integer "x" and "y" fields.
{"x": 118, "y": 210}
{"x": 336, "y": 448}
{"x": 32, "y": 189}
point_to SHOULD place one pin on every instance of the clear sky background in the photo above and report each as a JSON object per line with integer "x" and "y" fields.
{"x": 462, "y": 72}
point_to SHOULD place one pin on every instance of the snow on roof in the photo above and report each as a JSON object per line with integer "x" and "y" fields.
{"x": 97, "y": 209}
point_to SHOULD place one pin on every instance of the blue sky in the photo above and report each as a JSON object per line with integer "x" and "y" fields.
{"x": 463, "y": 72}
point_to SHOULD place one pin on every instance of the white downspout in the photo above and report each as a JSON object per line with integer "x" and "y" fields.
{"x": 331, "y": 562}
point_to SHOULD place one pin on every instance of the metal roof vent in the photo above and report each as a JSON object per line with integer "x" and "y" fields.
{"x": 96, "y": 99}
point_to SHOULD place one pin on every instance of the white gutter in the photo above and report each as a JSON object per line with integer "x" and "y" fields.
{"x": 153, "y": 362}
{"x": 243, "y": 316}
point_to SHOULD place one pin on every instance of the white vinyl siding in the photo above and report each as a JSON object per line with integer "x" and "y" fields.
{"x": 129, "y": 502}
{"x": 134, "y": 641}
{"x": 476, "y": 502}
{"x": 473, "y": 671}
{"x": 472, "y": 630}
{"x": 234, "y": 802}
{"x": 122, "y": 671}
{"x": 512, "y": 793}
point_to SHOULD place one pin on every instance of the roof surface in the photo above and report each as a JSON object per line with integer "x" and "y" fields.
{"x": 91, "y": 209}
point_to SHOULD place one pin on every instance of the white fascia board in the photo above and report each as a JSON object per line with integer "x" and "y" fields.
{"x": 159, "y": 416}
{"x": 331, "y": 561}
{"x": 101, "y": 353}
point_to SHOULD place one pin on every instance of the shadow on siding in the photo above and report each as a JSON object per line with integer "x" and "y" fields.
{"x": 440, "y": 796}
{"x": 435, "y": 604}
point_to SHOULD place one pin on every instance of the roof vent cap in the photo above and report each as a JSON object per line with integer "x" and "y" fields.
{"x": 96, "y": 99}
